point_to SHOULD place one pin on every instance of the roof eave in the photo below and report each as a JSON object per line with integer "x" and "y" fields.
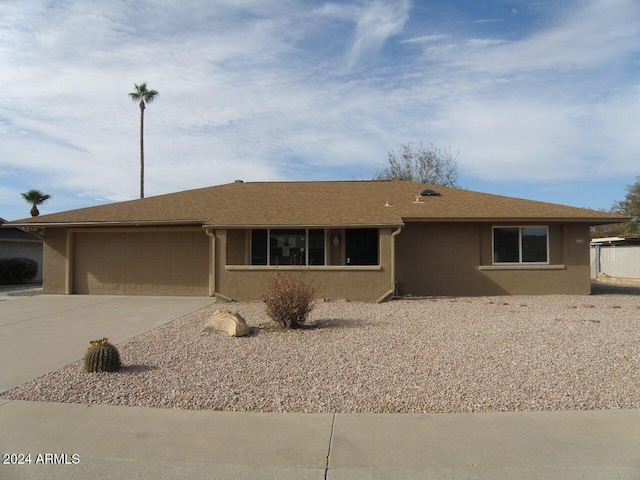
{"x": 127, "y": 223}
{"x": 590, "y": 221}
{"x": 310, "y": 225}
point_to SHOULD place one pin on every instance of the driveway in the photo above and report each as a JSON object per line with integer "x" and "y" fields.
{"x": 44, "y": 333}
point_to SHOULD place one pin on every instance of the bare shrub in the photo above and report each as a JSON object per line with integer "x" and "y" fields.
{"x": 289, "y": 298}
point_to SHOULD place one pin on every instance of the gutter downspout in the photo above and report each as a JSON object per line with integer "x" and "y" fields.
{"x": 391, "y": 292}
{"x": 212, "y": 261}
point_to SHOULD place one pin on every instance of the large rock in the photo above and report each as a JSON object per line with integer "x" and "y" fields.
{"x": 230, "y": 323}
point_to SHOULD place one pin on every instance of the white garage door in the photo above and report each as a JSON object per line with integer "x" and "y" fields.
{"x": 141, "y": 263}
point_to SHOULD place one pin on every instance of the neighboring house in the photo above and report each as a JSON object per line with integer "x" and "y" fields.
{"x": 360, "y": 240}
{"x": 16, "y": 243}
{"x": 616, "y": 259}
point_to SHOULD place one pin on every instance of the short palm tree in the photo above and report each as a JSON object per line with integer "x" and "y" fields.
{"x": 145, "y": 96}
{"x": 35, "y": 197}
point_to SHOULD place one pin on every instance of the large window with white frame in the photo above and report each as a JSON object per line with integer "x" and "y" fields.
{"x": 282, "y": 247}
{"x": 521, "y": 245}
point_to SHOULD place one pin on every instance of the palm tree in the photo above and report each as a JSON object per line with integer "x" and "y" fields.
{"x": 35, "y": 197}
{"x": 144, "y": 96}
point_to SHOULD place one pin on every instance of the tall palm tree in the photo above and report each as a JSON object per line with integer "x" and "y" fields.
{"x": 35, "y": 197}
{"x": 145, "y": 96}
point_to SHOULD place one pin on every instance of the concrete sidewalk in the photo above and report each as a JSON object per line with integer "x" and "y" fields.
{"x": 141, "y": 443}
{"x": 44, "y": 333}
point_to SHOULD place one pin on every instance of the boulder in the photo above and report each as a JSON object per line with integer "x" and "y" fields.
{"x": 230, "y": 323}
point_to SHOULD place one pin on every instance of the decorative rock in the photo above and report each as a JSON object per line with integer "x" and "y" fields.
{"x": 230, "y": 323}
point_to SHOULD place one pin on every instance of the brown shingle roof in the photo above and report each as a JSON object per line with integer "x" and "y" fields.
{"x": 348, "y": 203}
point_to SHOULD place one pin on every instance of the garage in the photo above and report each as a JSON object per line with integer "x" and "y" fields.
{"x": 157, "y": 262}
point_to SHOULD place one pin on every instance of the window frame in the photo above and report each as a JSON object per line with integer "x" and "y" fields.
{"x": 520, "y": 228}
{"x": 306, "y": 246}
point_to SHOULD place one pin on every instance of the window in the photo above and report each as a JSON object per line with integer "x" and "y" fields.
{"x": 520, "y": 245}
{"x": 316, "y": 247}
{"x": 287, "y": 247}
{"x": 258, "y": 247}
{"x": 361, "y": 246}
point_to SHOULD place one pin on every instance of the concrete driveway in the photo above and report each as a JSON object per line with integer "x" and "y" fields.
{"x": 46, "y": 332}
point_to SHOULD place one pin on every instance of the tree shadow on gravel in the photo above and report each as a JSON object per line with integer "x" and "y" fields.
{"x": 610, "y": 289}
{"x": 318, "y": 324}
{"x": 339, "y": 323}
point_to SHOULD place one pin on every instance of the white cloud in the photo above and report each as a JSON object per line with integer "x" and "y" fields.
{"x": 375, "y": 24}
{"x": 596, "y": 32}
{"x": 259, "y": 90}
{"x": 517, "y": 140}
{"x": 540, "y": 108}
{"x": 376, "y": 21}
{"x": 423, "y": 39}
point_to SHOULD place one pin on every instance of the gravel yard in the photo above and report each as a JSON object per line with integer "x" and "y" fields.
{"x": 424, "y": 355}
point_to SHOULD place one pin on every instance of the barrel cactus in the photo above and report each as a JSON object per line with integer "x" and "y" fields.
{"x": 101, "y": 357}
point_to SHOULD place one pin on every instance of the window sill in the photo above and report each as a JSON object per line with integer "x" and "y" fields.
{"x": 520, "y": 267}
{"x": 316, "y": 268}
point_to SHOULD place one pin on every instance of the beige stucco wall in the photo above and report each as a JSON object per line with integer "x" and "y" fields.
{"x": 439, "y": 259}
{"x": 572, "y": 259}
{"x": 54, "y": 264}
{"x": 431, "y": 259}
{"x": 456, "y": 259}
{"x": 244, "y": 282}
{"x": 237, "y": 247}
{"x": 336, "y": 252}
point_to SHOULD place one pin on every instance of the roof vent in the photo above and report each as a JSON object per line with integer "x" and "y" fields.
{"x": 239, "y": 181}
{"x": 427, "y": 192}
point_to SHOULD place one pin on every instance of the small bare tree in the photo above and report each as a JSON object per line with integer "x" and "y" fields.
{"x": 433, "y": 166}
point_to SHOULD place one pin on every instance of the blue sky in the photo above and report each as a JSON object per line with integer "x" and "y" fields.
{"x": 539, "y": 99}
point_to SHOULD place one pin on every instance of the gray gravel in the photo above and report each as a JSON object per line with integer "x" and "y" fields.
{"x": 428, "y": 355}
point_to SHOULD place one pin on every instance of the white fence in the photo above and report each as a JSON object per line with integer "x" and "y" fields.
{"x": 615, "y": 261}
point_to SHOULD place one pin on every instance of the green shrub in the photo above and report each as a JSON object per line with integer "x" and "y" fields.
{"x": 289, "y": 299}
{"x": 17, "y": 270}
{"x": 101, "y": 357}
